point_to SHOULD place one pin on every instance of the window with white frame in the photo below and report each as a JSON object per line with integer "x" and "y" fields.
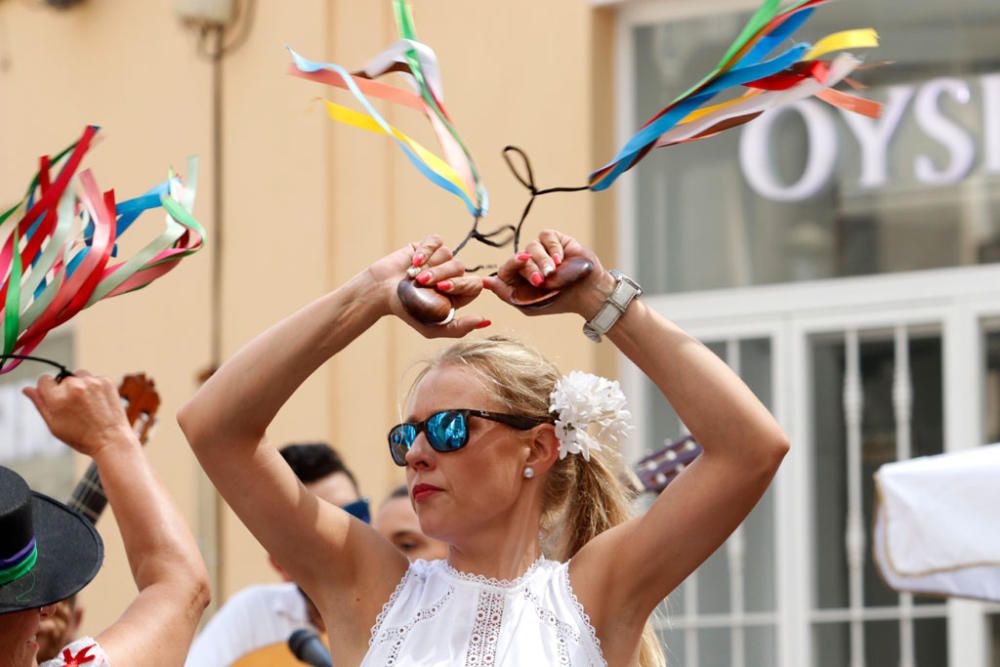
{"x": 810, "y": 192}
{"x": 858, "y": 391}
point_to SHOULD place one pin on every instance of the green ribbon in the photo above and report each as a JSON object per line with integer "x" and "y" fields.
{"x": 16, "y": 572}
{"x": 404, "y": 21}
{"x": 12, "y": 312}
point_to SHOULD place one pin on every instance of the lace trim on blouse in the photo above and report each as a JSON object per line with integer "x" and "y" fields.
{"x": 398, "y": 634}
{"x": 491, "y": 581}
{"x": 584, "y": 616}
{"x": 482, "y": 648}
{"x": 388, "y": 605}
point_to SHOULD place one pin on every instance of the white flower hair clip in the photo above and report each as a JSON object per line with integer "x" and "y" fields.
{"x": 589, "y": 409}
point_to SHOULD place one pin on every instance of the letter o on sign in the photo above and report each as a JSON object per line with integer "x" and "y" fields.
{"x": 755, "y": 153}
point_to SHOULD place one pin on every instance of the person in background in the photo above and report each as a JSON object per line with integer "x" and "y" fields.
{"x": 49, "y": 553}
{"x": 397, "y": 522}
{"x": 255, "y": 623}
{"x": 59, "y": 628}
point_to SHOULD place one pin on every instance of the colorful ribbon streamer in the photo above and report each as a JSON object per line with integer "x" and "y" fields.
{"x": 796, "y": 74}
{"x": 769, "y": 82}
{"x": 56, "y": 260}
{"x": 456, "y": 172}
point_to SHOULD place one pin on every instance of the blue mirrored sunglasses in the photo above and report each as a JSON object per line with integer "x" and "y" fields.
{"x": 448, "y": 430}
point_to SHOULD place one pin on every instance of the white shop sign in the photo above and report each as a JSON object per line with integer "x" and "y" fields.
{"x": 874, "y": 137}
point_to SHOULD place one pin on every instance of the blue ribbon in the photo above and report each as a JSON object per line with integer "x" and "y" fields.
{"x": 306, "y": 65}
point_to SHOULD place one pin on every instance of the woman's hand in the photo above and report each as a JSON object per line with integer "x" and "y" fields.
{"x": 83, "y": 410}
{"x": 528, "y": 271}
{"x": 431, "y": 266}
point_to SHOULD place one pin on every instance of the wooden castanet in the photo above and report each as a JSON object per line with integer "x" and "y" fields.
{"x": 425, "y": 304}
{"x": 428, "y": 306}
{"x": 566, "y": 274}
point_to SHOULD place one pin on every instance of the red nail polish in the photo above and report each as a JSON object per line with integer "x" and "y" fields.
{"x": 536, "y": 279}
{"x": 483, "y": 324}
{"x": 418, "y": 260}
{"x": 424, "y": 277}
{"x": 444, "y": 285}
{"x": 557, "y": 259}
{"x": 523, "y": 257}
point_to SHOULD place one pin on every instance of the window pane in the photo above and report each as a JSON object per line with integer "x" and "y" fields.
{"x": 714, "y": 647}
{"x": 713, "y": 584}
{"x": 663, "y": 423}
{"x": 930, "y": 638}
{"x": 994, "y": 640}
{"x": 878, "y": 447}
{"x": 761, "y": 647}
{"x": 882, "y": 643}
{"x": 878, "y": 435}
{"x": 927, "y": 368}
{"x": 758, "y": 576}
{"x": 831, "y": 645}
{"x": 991, "y": 409}
{"x": 755, "y": 367}
{"x": 673, "y": 646}
{"x": 829, "y": 474}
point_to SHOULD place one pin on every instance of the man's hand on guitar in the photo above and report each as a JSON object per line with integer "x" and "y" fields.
{"x": 84, "y": 411}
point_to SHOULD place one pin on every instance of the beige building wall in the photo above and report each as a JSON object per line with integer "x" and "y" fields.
{"x": 306, "y": 204}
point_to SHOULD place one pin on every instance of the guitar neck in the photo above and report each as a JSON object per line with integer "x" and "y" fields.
{"x": 655, "y": 471}
{"x": 88, "y": 497}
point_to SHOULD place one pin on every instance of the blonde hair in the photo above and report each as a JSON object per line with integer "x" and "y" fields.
{"x": 582, "y": 499}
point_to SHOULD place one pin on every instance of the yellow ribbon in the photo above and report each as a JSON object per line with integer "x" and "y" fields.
{"x": 863, "y": 38}
{"x": 347, "y": 116}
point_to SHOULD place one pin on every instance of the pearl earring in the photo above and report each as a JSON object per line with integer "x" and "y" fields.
{"x": 529, "y": 472}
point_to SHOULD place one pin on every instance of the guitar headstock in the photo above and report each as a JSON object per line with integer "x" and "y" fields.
{"x": 141, "y": 403}
{"x": 658, "y": 469}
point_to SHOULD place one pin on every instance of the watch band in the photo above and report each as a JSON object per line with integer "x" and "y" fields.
{"x": 622, "y": 295}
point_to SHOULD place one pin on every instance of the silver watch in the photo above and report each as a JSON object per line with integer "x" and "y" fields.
{"x": 622, "y": 295}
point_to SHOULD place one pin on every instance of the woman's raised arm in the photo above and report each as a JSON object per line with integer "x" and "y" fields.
{"x": 743, "y": 447}
{"x": 325, "y": 550}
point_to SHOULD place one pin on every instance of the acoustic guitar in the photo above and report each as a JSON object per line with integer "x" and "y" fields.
{"x": 139, "y": 397}
{"x": 273, "y": 655}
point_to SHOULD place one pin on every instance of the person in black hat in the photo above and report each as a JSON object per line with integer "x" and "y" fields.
{"x": 49, "y": 552}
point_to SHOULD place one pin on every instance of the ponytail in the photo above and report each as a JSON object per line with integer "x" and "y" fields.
{"x": 595, "y": 500}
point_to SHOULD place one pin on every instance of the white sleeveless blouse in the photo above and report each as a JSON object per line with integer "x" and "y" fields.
{"x": 439, "y": 616}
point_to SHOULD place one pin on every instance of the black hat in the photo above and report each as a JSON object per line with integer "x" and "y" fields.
{"x": 48, "y": 552}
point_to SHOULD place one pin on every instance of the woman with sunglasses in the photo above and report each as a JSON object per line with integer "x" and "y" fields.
{"x": 507, "y": 484}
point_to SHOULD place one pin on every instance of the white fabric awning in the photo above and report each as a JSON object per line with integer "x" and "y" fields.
{"x": 937, "y": 524}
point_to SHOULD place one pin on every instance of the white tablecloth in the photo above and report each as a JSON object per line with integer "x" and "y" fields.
{"x": 937, "y": 524}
